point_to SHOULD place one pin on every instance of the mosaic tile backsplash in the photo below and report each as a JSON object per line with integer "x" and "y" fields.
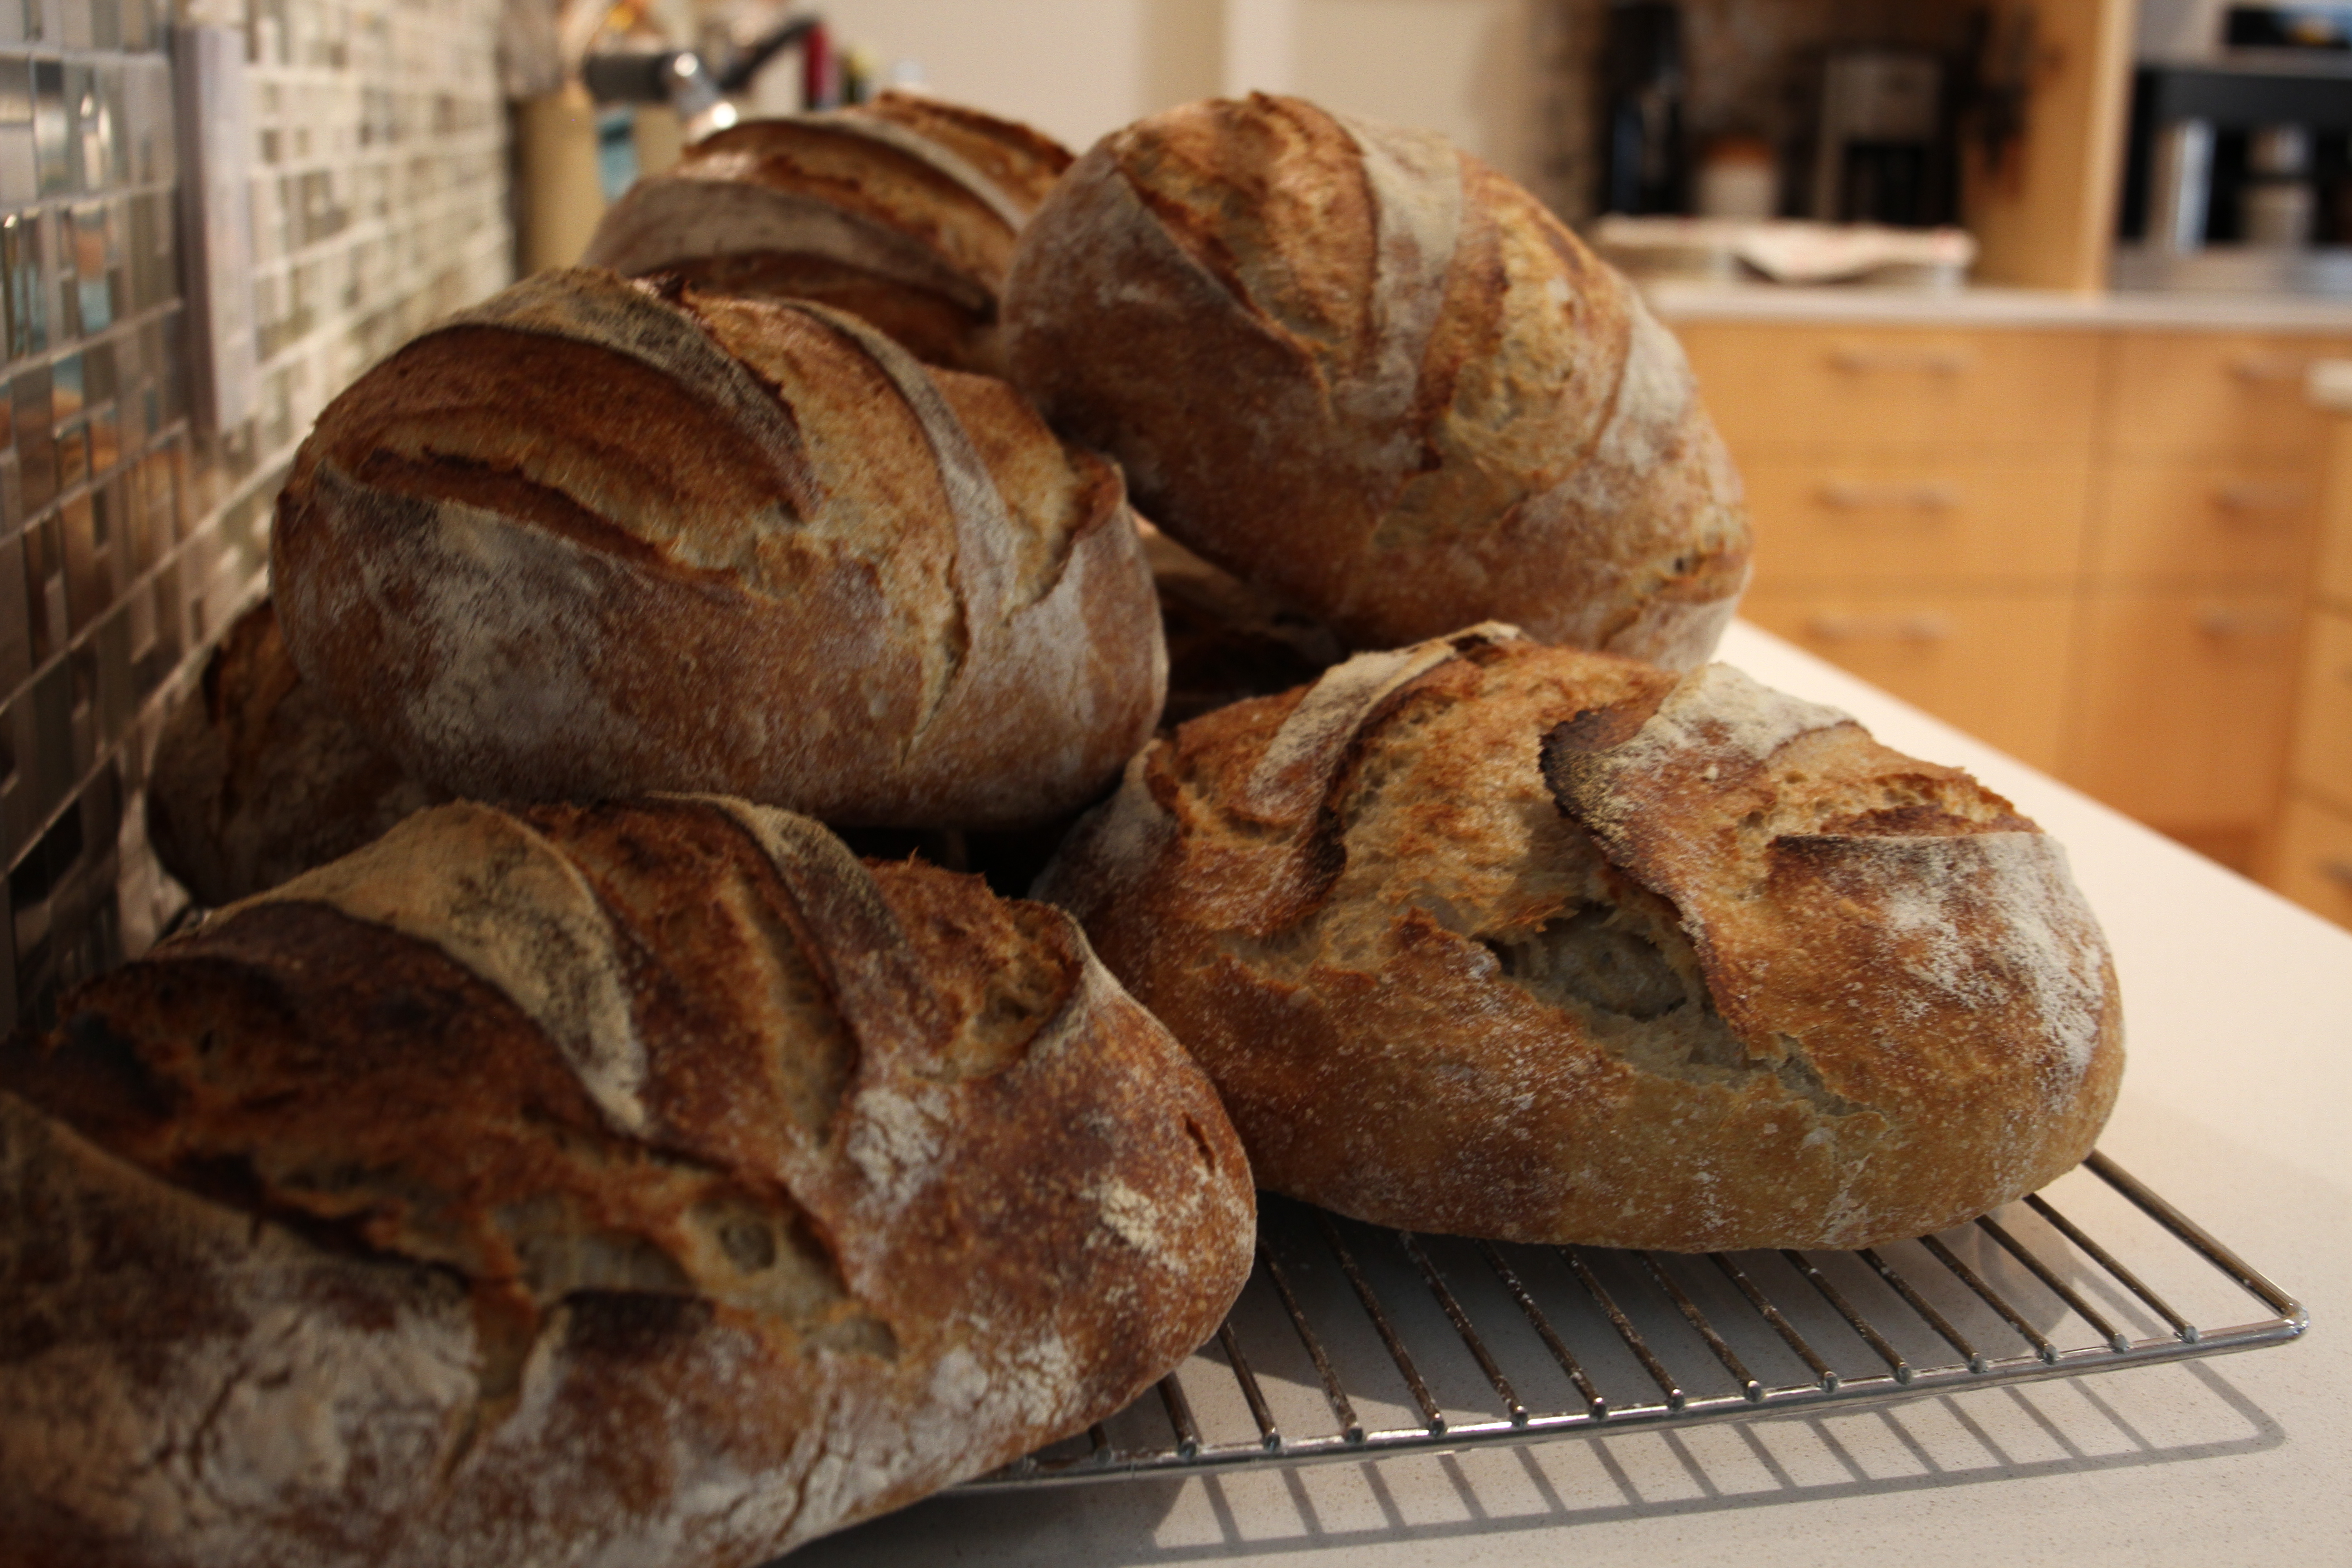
{"x": 128, "y": 541}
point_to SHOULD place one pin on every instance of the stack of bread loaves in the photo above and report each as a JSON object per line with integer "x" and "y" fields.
{"x": 628, "y": 1172}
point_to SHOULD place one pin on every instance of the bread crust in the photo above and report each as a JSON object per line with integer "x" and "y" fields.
{"x": 903, "y": 211}
{"x": 586, "y": 541}
{"x": 1367, "y": 373}
{"x": 645, "y": 1182}
{"x": 1502, "y": 940}
{"x": 258, "y": 778}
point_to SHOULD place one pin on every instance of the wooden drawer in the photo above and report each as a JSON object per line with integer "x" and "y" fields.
{"x": 2184, "y": 706}
{"x": 2313, "y": 861}
{"x": 1820, "y": 523}
{"x": 2216, "y": 397}
{"x": 2322, "y": 761}
{"x": 1880, "y": 388}
{"x": 1993, "y": 664}
{"x": 2334, "y": 576}
{"x": 2159, "y": 520}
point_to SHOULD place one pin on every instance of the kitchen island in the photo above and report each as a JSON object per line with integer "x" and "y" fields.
{"x": 2238, "y": 1016}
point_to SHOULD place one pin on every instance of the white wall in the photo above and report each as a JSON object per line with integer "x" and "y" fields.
{"x": 1077, "y": 69}
{"x": 1465, "y": 68}
{"x": 2179, "y": 29}
{"x": 1073, "y": 69}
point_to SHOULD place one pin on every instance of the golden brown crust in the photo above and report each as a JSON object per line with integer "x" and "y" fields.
{"x": 258, "y": 778}
{"x": 904, "y": 211}
{"x": 1022, "y": 161}
{"x": 588, "y": 541}
{"x": 1498, "y": 939}
{"x": 872, "y": 1181}
{"x": 1370, "y": 375}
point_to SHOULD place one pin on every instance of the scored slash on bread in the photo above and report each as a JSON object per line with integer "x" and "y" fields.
{"x": 903, "y": 211}
{"x": 594, "y": 538}
{"x": 1491, "y": 938}
{"x": 651, "y": 1181}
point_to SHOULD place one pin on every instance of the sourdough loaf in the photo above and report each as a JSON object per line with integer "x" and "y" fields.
{"x": 593, "y": 539}
{"x": 258, "y": 778}
{"x": 1487, "y": 937}
{"x": 644, "y": 1184}
{"x": 1366, "y": 373}
{"x": 903, "y": 211}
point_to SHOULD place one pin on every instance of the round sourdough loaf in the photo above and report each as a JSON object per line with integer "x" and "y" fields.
{"x": 1369, "y": 373}
{"x": 258, "y": 778}
{"x": 644, "y": 1184}
{"x": 1492, "y": 938}
{"x": 903, "y": 211}
{"x": 591, "y": 540}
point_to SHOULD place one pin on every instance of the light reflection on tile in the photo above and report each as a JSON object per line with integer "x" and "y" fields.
{"x": 49, "y": 132}
{"x": 20, "y": 257}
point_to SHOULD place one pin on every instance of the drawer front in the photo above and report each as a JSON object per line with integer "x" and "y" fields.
{"x": 1882, "y": 388}
{"x": 2159, "y": 520}
{"x": 2216, "y": 397}
{"x": 2312, "y": 862}
{"x": 2335, "y": 575}
{"x": 1995, "y": 665}
{"x": 1820, "y": 523}
{"x": 2322, "y": 720}
{"x": 2185, "y": 703}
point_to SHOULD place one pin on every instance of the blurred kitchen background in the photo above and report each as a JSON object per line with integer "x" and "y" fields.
{"x": 2023, "y": 320}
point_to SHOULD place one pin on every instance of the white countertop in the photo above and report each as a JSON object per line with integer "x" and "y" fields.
{"x": 1855, "y": 305}
{"x": 2239, "y": 1012}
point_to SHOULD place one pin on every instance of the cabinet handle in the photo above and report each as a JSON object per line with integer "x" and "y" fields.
{"x": 1854, "y": 360}
{"x": 2260, "y": 369}
{"x": 2337, "y": 871}
{"x": 1845, "y": 496}
{"x": 1922, "y": 627}
{"x": 2223, "y": 622}
{"x": 2248, "y": 495}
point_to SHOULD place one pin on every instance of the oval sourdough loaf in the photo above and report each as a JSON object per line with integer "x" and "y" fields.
{"x": 591, "y": 540}
{"x": 903, "y": 211}
{"x": 651, "y": 1184}
{"x": 258, "y": 778}
{"x": 1369, "y": 373}
{"x": 1492, "y": 938}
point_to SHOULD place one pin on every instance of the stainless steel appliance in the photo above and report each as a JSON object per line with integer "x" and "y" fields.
{"x": 1876, "y": 158}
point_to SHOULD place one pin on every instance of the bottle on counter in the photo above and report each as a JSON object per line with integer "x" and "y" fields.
{"x": 2276, "y": 202}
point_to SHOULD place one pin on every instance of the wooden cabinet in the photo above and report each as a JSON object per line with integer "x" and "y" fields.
{"x": 2219, "y": 398}
{"x": 1890, "y": 389}
{"x": 1993, "y": 663}
{"x": 1941, "y": 516}
{"x": 2312, "y": 862}
{"x": 2321, "y": 762}
{"x": 2181, "y": 710}
{"x": 2309, "y": 857}
{"x": 2089, "y": 546}
{"x": 2167, "y": 523}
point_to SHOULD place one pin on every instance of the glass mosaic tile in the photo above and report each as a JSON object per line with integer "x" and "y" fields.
{"x": 124, "y": 542}
{"x": 26, "y": 281}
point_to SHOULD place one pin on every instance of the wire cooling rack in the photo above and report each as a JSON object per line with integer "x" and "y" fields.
{"x": 1352, "y": 1340}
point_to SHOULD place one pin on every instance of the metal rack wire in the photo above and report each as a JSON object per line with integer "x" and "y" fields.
{"x": 1353, "y": 1342}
